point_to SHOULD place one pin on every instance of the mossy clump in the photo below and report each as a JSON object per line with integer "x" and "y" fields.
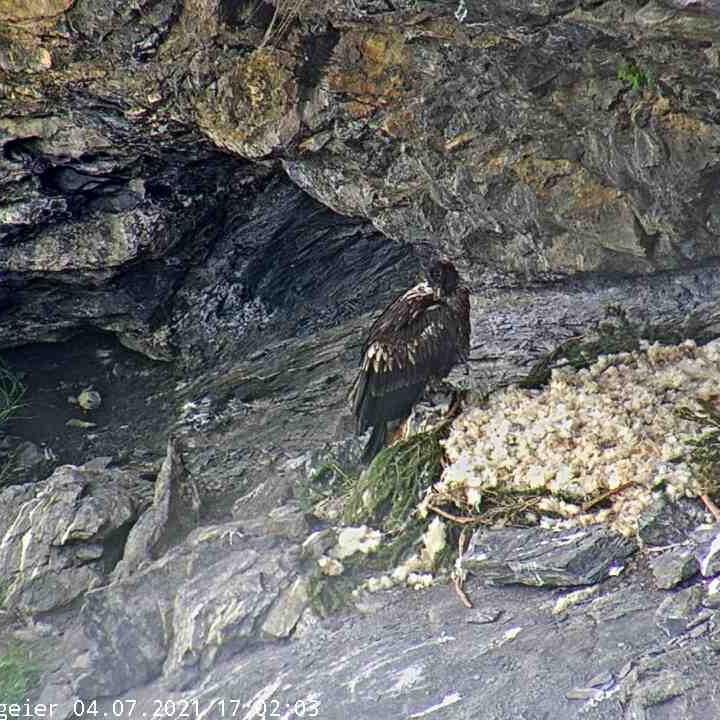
{"x": 329, "y": 595}
{"x": 19, "y": 674}
{"x": 703, "y": 454}
{"x": 387, "y": 494}
{"x": 633, "y": 75}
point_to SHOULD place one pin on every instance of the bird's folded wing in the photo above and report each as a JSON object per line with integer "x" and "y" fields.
{"x": 416, "y": 347}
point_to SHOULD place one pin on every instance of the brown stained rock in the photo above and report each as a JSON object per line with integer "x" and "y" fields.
{"x": 32, "y": 10}
{"x": 370, "y": 67}
{"x": 505, "y": 134}
{"x": 250, "y": 109}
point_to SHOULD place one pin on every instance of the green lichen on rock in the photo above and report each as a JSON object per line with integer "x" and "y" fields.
{"x": 249, "y": 109}
{"x": 328, "y": 595}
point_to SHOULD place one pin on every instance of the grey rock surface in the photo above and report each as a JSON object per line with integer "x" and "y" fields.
{"x": 547, "y": 147}
{"x": 543, "y": 558}
{"x": 173, "y": 513}
{"x": 676, "y": 613}
{"x": 669, "y": 523}
{"x": 672, "y": 567}
{"x": 181, "y": 614}
{"x": 418, "y": 653}
{"x": 538, "y": 140}
{"x": 86, "y": 513}
{"x": 708, "y": 551}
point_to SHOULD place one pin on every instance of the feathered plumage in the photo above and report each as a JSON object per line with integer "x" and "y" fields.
{"x": 420, "y": 336}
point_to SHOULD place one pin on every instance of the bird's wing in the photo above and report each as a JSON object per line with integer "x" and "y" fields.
{"x": 414, "y": 339}
{"x": 417, "y": 337}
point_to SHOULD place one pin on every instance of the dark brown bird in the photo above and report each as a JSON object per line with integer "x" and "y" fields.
{"x": 418, "y": 338}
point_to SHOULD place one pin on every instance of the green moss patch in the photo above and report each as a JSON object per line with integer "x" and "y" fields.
{"x": 387, "y": 495}
{"x": 614, "y": 334}
{"x": 19, "y": 675}
{"x": 633, "y": 75}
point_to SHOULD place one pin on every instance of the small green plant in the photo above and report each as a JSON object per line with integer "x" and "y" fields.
{"x": 19, "y": 675}
{"x": 326, "y": 481}
{"x": 634, "y": 75}
{"x": 11, "y": 394}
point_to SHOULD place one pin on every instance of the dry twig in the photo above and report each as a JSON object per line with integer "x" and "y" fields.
{"x": 601, "y": 498}
{"x": 456, "y": 518}
{"x": 458, "y": 579}
{"x": 291, "y": 10}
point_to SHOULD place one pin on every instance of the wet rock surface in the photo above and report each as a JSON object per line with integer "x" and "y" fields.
{"x": 130, "y": 425}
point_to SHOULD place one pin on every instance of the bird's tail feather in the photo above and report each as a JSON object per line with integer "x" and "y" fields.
{"x": 375, "y": 444}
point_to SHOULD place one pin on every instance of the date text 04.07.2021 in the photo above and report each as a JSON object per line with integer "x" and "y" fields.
{"x": 190, "y": 709}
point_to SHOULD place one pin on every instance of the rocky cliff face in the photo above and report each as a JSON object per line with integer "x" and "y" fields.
{"x": 232, "y": 188}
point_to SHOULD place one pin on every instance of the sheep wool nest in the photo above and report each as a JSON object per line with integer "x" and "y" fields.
{"x": 611, "y": 428}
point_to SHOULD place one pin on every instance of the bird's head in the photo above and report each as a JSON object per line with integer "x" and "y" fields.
{"x": 442, "y": 277}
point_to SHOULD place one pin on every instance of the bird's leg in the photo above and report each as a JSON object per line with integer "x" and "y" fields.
{"x": 456, "y": 404}
{"x": 397, "y": 431}
{"x": 711, "y": 506}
